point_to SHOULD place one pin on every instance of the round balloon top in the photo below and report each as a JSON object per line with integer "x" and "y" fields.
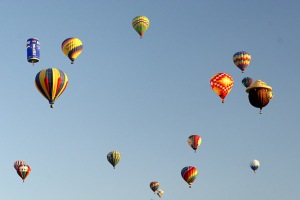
{"x": 72, "y": 48}
{"x": 221, "y": 84}
{"x": 154, "y": 185}
{"x": 114, "y": 158}
{"x": 189, "y": 174}
{"x": 194, "y": 141}
{"x": 18, "y": 163}
{"x": 242, "y": 59}
{"x": 247, "y": 81}
{"x": 254, "y": 165}
{"x": 140, "y": 25}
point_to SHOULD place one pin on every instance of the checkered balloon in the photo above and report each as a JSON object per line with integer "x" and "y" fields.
{"x": 221, "y": 84}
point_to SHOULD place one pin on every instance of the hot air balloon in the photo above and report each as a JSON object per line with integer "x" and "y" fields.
{"x": 113, "y": 158}
{"x": 24, "y": 171}
{"x": 194, "y": 141}
{"x": 154, "y": 185}
{"x": 221, "y": 84}
{"x": 51, "y": 83}
{"x": 242, "y": 59}
{"x": 259, "y": 94}
{"x": 160, "y": 193}
{"x": 33, "y": 50}
{"x": 189, "y": 174}
{"x": 18, "y": 163}
{"x": 247, "y": 81}
{"x": 72, "y": 48}
{"x": 140, "y": 24}
{"x": 254, "y": 165}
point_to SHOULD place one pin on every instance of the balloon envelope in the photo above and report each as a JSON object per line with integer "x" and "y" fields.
{"x": 194, "y": 141}
{"x": 160, "y": 193}
{"x": 189, "y": 174}
{"x": 51, "y": 83}
{"x": 114, "y": 158}
{"x": 221, "y": 84}
{"x": 18, "y": 163}
{"x": 242, "y": 59}
{"x": 154, "y": 185}
{"x": 247, "y": 81}
{"x": 24, "y": 171}
{"x": 140, "y": 24}
{"x": 254, "y": 165}
{"x": 72, "y": 48}
{"x": 33, "y": 50}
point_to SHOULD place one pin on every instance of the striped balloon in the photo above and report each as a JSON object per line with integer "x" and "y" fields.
{"x": 24, "y": 171}
{"x": 194, "y": 141}
{"x": 221, "y": 84}
{"x": 51, "y": 83}
{"x": 72, "y": 48}
{"x": 247, "y": 81}
{"x": 140, "y": 24}
{"x": 189, "y": 174}
{"x": 242, "y": 59}
{"x": 18, "y": 163}
{"x": 114, "y": 158}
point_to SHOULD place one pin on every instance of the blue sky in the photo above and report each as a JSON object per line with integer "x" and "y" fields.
{"x": 144, "y": 97}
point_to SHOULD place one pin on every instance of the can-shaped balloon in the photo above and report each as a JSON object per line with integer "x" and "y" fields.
{"x": 33, "y": 50}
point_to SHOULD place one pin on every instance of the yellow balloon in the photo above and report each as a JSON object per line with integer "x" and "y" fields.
{"x": 72, "y": 48}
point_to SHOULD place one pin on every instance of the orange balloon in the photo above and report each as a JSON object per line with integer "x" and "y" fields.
{"x": 221, "y": 84}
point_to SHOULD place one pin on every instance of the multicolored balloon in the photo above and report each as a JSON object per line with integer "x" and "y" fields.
{"x": 242, "y": 59}
{"x": 33, "y": 50}
{"x": 18, "y": 163}
{"x": 247, "y": 81}
{"x": 189, "y": 174}
{"x": 194, "y": 141}
{"x": 154, "y": 185}
{"x": 114, "y": 158}
{"x": 254, "y": 165}
{"x": 221, "y": 84}
{"x": 51, "y": 83}
{"x": 23, "y": 171}
{"x": 140, "y": 24}
{"x": 160, "y": 193}
{"x": 72, "y": 48}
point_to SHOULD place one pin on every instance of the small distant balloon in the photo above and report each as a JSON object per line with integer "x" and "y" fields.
{"x": 189, "y": 174}
{"x": 254, "y": 165}
{"x": 221, "y": 84}
{"x": 154, "y": 185}
{"x": 160, "y": 193}
{"x": 114, "y": 158}
{"x": 140, "y": 25}
{"x": 247, "y": 81}
{"x": 33, "y": 50}
{"x": 18, "y": 163}
{"x": 23, "y": 171}
{"x": 72, "y": 48}
{"x": 242, "y": 59}
{"x": 194, "y": 141}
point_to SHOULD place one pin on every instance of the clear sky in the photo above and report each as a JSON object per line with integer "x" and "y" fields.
{"x": 144, "y": 97}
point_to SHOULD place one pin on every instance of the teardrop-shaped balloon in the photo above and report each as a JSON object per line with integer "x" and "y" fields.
{"x": 154, "y": 185}
{"x": 194, "y": 141}
{"x": 189, "y": 174}
{"x": 140, "y": 25}
{"x": 254, "y": 165}
{"x": 51, "y": 83}
{"x": 72, "y": 48}
{"x": 24, "y": 171}
{"x": 247, "y": 81}
{"x": 221, "y": 84}
{"x": 114, "y": 158}
{"x": 242, "y": 59}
